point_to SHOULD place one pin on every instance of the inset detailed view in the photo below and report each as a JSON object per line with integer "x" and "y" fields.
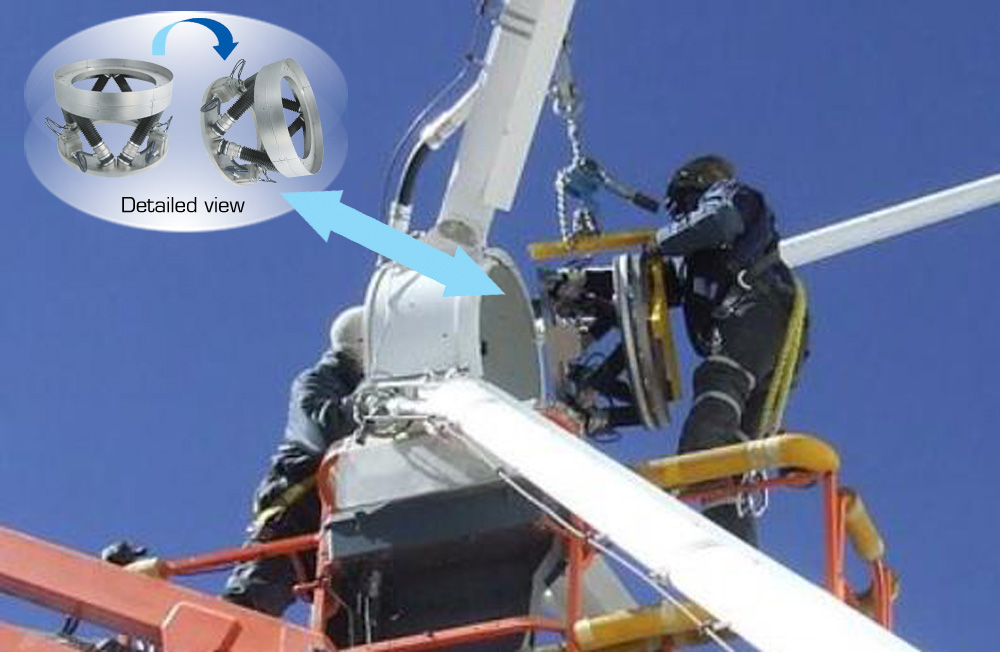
{"x": 262, "y": 95}
{"x": 83, "y": 110}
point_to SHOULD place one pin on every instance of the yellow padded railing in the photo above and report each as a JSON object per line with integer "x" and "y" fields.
{"x": 794, "y": 451}
{"x": 617, "y": 629}
{"x": 861, "y": 529}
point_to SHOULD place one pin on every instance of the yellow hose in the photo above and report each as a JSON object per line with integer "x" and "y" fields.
{"x": 782, "y": 451}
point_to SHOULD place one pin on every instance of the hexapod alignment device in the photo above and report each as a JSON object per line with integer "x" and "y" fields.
{"x": 83, "y": 110}
{"x": 261, "y": 95}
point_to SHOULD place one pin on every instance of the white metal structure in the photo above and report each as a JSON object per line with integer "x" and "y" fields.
{"x": 765, "y": 603}
{"x": 411, "y": 327}
{"x": 492, "y": 343}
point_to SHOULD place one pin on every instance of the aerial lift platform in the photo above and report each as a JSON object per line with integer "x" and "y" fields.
{"x": 456, "y": 412}
{"x": 143, "y": 605}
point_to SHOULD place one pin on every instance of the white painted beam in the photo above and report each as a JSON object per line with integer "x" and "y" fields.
{"x": 765, "y": 603}
{"x": 864, "y": 230}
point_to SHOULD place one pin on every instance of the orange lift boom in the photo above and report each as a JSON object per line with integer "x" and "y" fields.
{"x": 170, "y": 616}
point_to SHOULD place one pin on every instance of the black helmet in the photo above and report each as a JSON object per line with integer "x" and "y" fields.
{"x": 693, "y": 178}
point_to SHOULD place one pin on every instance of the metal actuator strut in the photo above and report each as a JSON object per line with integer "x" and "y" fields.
{"x": 260, "y": 94}
{"x": 83, "y": 109}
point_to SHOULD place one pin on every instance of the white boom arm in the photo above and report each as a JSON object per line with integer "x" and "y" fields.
{"x": 518, "y": 67}
{"x": 889, "y": 222}
{"x": 768, "y": 605}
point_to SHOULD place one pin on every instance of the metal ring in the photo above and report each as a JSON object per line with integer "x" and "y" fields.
{"x": 98, "y": 105}
{"x": 646, "y": 367}
{"x": 741, "y": 280}
{"x": 268, "y": 114}
{"x": 271, "y": 126}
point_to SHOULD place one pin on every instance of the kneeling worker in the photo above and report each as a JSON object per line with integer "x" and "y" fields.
{"x": 287, "y": 503}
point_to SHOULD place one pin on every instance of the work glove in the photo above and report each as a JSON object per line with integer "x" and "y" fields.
{"x": 123, "y": 553}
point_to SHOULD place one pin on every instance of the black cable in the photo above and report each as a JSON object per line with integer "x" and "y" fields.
{"x": 646, "y": 202}
{"x": 417, "y": 122}
{"x": 409, "y": 181}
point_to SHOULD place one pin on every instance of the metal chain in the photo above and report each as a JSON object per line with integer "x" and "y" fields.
{"x": 566, "y": 106}
{"x": 568, "y": 114}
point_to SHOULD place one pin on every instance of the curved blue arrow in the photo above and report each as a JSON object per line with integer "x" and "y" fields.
{"x": 460, "y": 275}
{"x": 226, "y": 42}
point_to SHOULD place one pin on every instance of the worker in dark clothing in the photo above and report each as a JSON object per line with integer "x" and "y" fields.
{"x": 737, "y": 296}
{"x": 287, "y": 503}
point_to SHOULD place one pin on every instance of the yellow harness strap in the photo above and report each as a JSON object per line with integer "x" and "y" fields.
{"x": 773, "y": 411}
{"x": 288, "y": 498}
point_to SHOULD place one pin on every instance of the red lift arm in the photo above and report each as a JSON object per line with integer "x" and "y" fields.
{"x": 171, "y": 616}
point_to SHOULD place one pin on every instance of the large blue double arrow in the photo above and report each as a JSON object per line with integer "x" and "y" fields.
{"x": 224, "y": 48}
{"x": 324, "y": 212}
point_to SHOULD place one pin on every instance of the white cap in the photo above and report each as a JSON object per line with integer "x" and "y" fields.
{"x": 347, "y": 333}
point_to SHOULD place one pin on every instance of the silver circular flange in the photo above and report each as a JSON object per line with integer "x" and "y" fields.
{"x": 116, "y": 107}
{"x": 271, "y": 126}
{"x": 646, "y": 364}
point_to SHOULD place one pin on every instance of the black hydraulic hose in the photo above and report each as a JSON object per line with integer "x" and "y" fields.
{"x": 89, "y": 131}
{"x": 101, "y": 82}
{"x": 68, "y": 117}
{"x": 248, "y": 154}
{"x": 404, "y": 197}
{"x": 251, "y": 155}
{"x": 101, "y": 150}
{"x": 144, "y": 127}
{"x": 472, "y": 63}
{"x": 291, "y": 105}
{"x": 293, "y": 128}
{"x": 244, "y": 102}
{"x": 123, "y": 84}
{"x": 237, "y": 109}
{"x": 138, "y": 137}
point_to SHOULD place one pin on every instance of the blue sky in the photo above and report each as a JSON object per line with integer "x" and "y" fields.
{"x": 144, "y": 375}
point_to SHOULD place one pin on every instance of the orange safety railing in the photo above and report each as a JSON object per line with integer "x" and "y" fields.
{"x": 105, "y": 594}
{"x": 801, "y": 460}
{"x": 704, "y": 475}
